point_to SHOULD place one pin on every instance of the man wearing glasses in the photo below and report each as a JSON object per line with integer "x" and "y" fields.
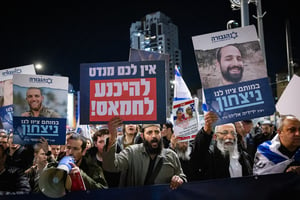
{"x": 216, "y": 154}
{"x": 282, "y": 153}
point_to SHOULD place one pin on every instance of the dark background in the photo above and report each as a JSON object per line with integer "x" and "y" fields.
{"x": 63, "y": 34}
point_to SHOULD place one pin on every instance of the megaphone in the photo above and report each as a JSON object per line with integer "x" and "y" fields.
{"x": 54, "y": 182}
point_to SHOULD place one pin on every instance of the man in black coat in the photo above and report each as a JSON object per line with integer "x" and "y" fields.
{"x": 221, "y": 157}
{"x": 12, "y": 179}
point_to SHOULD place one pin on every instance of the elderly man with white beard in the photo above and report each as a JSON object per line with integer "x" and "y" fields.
{"x": 183, "y": 150}
{"x": 221, "y": 158}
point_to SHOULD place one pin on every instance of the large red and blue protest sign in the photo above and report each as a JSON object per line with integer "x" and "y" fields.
{"x": 135, "y": 91}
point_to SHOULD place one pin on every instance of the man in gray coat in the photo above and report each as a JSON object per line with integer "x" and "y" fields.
{"x": 147, "y": 163}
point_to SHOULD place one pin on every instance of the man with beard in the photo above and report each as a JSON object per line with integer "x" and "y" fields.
{"x": 230, "y": 62}
{"x": 267, "y": 133}
{"x": 183, "y": 150}
{"x": 146, "y": 163}
{"x": 223, "y": 159}
{"x": 35, "y": 99}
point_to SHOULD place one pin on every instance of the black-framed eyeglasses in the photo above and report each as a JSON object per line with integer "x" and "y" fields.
{"x": 225, "y": 132}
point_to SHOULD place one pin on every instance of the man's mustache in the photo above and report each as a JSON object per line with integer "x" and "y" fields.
{"x": 228, "y": 141}
{"x": 154, "y": 140}
{"x": 232, "y": 67}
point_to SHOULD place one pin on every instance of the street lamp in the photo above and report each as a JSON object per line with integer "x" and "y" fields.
{"x": 243, "y": 5}
{"x": 235, "y": 4}
{"x": 232, "y": 24}
{"x": 38, "y": 66}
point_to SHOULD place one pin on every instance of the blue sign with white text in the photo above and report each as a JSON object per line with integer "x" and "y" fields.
{"x": 29, "y": 130}
{"x": 245, "y": 100}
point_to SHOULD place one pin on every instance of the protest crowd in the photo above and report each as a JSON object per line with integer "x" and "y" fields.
{"x": 151, "y": 154}
{"x": 119, "y": 153}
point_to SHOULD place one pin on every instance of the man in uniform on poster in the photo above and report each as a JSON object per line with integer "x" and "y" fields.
{"x": 34, "y": 98}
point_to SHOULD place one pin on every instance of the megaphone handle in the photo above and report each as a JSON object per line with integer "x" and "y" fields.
{"x": 77, "y": 182}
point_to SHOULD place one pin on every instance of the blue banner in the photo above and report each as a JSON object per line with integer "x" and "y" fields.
{"x": 29, "y": 130}
{"x": 245, "y": 100}
{"x": 266, "y": 187}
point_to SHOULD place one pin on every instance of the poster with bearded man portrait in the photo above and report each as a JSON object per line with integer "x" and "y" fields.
{"x": 233, "y": 74}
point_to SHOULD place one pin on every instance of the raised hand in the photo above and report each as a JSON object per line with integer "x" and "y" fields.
{"x": 209, "y": 118}
{"x": 113, "y": 124}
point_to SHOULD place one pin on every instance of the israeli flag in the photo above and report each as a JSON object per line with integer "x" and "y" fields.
{"x": 181, "y": 91}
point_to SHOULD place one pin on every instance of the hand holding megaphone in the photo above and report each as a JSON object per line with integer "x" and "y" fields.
{"x": 76, "y": 178}
{"x": 74, "y": 169}
{"x": 54, "y": 182}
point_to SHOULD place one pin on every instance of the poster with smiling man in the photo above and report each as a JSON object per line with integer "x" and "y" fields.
{"x": 40, "y": 108}
{"x": 233, "y": 74}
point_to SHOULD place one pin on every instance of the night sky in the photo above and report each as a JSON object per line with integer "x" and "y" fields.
{"x": 61, "y": 36}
